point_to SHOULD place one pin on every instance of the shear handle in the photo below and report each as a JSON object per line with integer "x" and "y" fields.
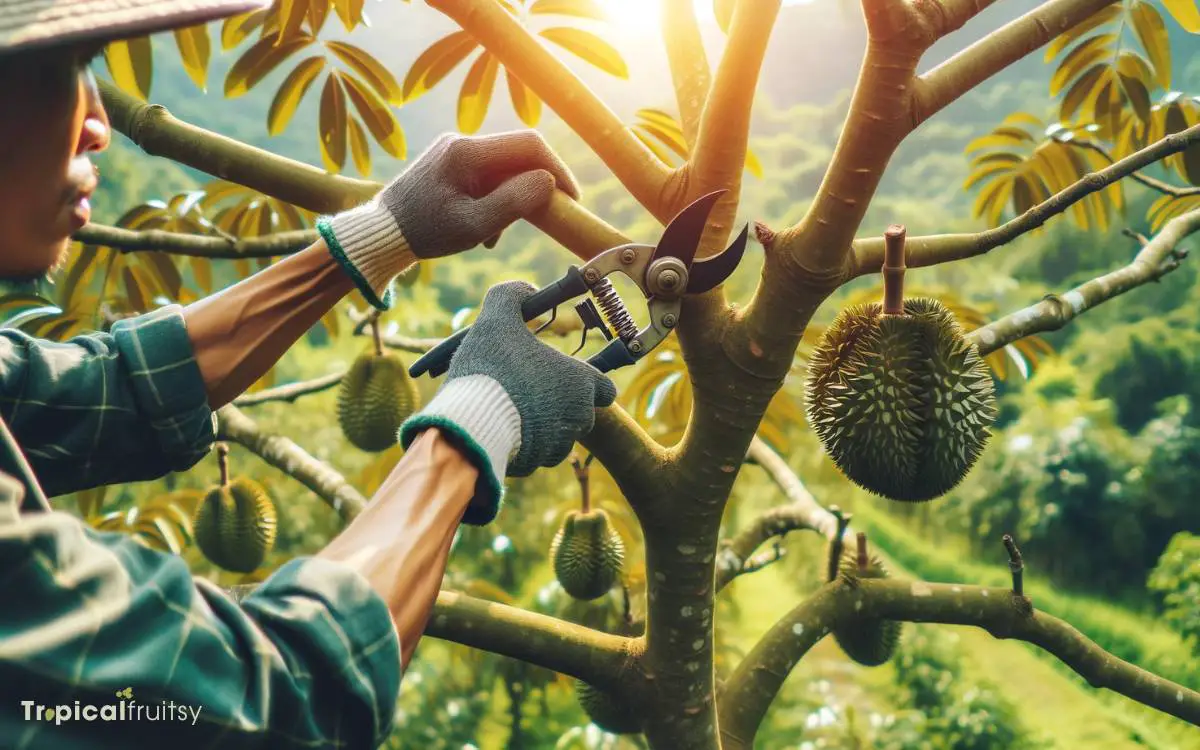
{"x": 437, "y": 360}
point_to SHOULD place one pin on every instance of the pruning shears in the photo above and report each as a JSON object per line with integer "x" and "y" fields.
{"x": 663, "y": 272}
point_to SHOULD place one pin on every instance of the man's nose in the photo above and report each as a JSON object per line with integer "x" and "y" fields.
{"x": 96, "y": 129}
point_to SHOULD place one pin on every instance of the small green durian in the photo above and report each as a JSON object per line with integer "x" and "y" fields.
{"x": 587, "y": 554}
{"x": 374, "y": 399}
{"x": 902, "y": 403}
{"x": 868, "y": 642}
{"x": 235, "y": 525}
{"x": 605, "y": 710}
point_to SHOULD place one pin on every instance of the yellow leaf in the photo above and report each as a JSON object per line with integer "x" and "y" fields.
{"x": 1186, "y": 13}
{"x": 1025, "y": 118}
{"x": 753, "y": 166}
{"x": 317, "y": 11}
{"x": 202, "y": 274}
{"x": 577, "y": 8}
{"x": 1152, "y": 33}
{"x": 654, "y": 146}
{"x": 258, "y": 61}
{"x": 235, "y": 29}
{"x": 370, "y": 70}
{"x": 999, "y": 138}
{"x": 350, "y": 11}
{"x": 1085, "y": 87}
{"x": 476, "y": 92}
{"x": 1136, "y": 93}
{"x": 1087, "y": 53}
{"x": 332, "y": 124}
{"x": 376, "y": 115}
{"x": 291, "y": 17}
{"x": 1062, "y": 41}
{"x": 131, "y": 64}
{"x": 986, "y": 172}
{"x": 194, "y": 49}
{"x": 291, "y": 92}
{"x": 589, "y": 47}
{"x": 436, "y": 62}
{"x": 723, "y": 10}
{"x": 526, "y": 103}
{"x": 673, "y": 141}
{"x": 991, "y": 200}
{"x": 663, "y": 119}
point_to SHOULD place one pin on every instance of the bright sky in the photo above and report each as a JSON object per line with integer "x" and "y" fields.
{"x": 642, "y": 15}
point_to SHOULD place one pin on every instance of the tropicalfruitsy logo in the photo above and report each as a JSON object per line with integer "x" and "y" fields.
{"x": 124, "y": 709}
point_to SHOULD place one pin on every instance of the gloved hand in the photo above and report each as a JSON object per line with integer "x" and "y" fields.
{"x": 463, "y": 190}
{"x": 510, "y": 402}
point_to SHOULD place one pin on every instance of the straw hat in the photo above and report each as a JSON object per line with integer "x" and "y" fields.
{"x": 26, "y": 24}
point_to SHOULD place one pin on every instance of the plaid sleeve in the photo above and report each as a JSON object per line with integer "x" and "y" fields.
{"x": 309, "y": 660}
{"x": 106, "y": 408}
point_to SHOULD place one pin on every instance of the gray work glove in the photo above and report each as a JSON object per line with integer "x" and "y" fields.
{"x": 462, "y": 191}
{"x": 510, "y": 402}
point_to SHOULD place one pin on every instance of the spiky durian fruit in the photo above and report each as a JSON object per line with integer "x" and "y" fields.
{"x": 902, "y": 403}
{"x": 587, "y": 554}
{"x": 605, "y": 710}
{"x": 235, "y": 525}
{"x": 374, "y": 399}
{"x": 868, "y": 642}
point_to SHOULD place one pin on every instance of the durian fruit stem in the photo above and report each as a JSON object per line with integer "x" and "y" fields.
{"x": 376, "y": 336}
{"x": 863, "y": 559}
{"x": 835, "y": 544}
{"x": 893, "y": 270}
{"x": 1016, "y": 565}
{"x": 223, "y": 463}
{"x": 581, "y": 475}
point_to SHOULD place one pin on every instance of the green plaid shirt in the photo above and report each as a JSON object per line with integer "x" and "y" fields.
{"x": 309, "y": 660}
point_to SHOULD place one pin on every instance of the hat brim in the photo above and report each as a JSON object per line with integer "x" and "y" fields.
{"x": 33, "y": 24}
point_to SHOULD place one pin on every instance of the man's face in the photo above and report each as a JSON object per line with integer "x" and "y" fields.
{"x": 52, "y": 119}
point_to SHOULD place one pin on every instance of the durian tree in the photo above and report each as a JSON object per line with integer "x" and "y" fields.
{"x": 898, "y": 388}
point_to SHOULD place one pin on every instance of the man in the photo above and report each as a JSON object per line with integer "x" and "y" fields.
{"x": 93, "y": 622}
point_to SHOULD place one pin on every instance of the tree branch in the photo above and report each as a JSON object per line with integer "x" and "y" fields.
{"x": 689, "y": 64}
{"x": 638, "y": 464}
{"x": 995, "y": 52}
{"x": 195, "y": 245}
{"x": 285, "y": 455}
{"x": 291, "y": 391}
{"x": 1159, "y": 257}
{"x": 591, "y": 655}
{"x": 521, "y": 53}
{"x": 757, "y": 680}
{"x": 1153, "y": 183}
{"x": 802, "y": 512}
{"x": 943, "y": 248}
{"x": 158, "y": 133}
{"x": 720, "y": 154}
{"x": 153, "y": 129}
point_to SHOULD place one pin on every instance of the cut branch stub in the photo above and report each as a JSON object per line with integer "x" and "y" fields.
{"x": 1015, "y": 564}
{"x": 835, "y": 544}
{"x": 223, "y": 463}
{"x": 893, "y": 270}
{"x": 863, "y": 559}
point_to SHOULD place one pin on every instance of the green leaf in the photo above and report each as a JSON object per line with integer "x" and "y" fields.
{"x": 1185, "y": 13}
{"x": 291, "y": 92}
{"x": 131, "y": 64}
{"x": 589, "y": 47}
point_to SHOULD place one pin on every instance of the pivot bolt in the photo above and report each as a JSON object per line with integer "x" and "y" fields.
{"x": 591, "y": 276}
{"x": 628, "y": 255}
{"x": 668, "y": 320}
{"x": 635, "y": 347}
{"x": 668, "y": 279}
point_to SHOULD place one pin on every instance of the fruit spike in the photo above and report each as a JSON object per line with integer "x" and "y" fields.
{"x": 587, "y": 554}
{"x": 605, "y": 710}
{"x": 374, "y": 399}
{"x": 902, "y": 403}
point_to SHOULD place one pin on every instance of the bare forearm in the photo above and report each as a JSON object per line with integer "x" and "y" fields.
{"x": 240, "y": 332}
{"x": 401, "y": 540}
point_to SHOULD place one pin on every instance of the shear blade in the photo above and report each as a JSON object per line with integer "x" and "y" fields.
{"x": 681, "y": 238}
{"x": 707, "y": 273}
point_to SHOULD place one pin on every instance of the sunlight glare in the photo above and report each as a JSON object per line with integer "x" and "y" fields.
{"x": 642, "y": 15}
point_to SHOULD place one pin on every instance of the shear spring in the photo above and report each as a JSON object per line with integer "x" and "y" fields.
{"x": 614, "y": 310}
